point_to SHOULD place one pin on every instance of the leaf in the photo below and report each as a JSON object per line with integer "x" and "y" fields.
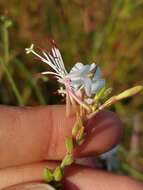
{"x": 68, "y": 160}
{"x": 69, "y": 144}
{"x": 58, "y": 174}
{"x": 48, "y": 175}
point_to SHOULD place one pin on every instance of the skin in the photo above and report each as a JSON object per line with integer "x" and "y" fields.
{"x": 33, "y": 138}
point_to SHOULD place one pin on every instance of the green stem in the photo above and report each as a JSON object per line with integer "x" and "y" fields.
{"x": 6, "y": 44}
{"x": 31, "y": 81}
{"x": 135, "y": 173}
{"x": 11, "y": 81}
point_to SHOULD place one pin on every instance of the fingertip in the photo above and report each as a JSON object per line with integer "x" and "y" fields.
{"x": 86, "y": 178}
{"x": 103, "y": 132}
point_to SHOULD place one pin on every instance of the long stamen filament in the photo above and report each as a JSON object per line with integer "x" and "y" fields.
{"x": 45, "y": 60}
{"x": 51, "y": 73}
{"x": 79, "y": 101}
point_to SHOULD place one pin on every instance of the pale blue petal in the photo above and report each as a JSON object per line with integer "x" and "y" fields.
{"x": 76, "y": 84}
{"x": 87, "y": 86}
{"x": 76, "y": 67}
{"x": 97, "y": 74}
{"x": 97, "y": 85}
{"x": 83, "y": 72}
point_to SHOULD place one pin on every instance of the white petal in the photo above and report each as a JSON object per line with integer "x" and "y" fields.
{"x": 83, "y": 72}
{"x": 76, "y": 67}
{"x": 87, "y": 86}
{"x": 97, "y": 85}
{"x": 76, "y": 83}
{"x": 97, "y": 74}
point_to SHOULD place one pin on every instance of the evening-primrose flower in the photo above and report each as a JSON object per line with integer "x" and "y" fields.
{"x": 81, "y": 79}
{"x": 87, "y": 77}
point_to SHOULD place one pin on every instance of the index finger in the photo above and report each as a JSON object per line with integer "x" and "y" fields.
{"x": 34, "y": 134}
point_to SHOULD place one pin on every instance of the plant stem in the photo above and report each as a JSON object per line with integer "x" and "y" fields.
{"x": 31, "y": 81}
{"x": 6, "y": 44}
{"x": 11, "y": 81}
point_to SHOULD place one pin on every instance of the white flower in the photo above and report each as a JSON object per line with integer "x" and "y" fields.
{"x": 85, "y": 78}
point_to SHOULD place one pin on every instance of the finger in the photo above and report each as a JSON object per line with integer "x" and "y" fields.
{"x": 76, "y": 177}
{"x": 24, "y": 174}
{"x": 31, "y": 186}
{"x": 86, "y": 178}
{"x": 36, "y": 134}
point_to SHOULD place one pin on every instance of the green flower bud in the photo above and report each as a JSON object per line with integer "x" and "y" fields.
{"x": 58, "y": 174}
{"x": 69, "y": 144}
{"x": 48, "y": 175}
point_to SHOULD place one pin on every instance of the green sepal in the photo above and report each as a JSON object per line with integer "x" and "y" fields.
{"x": 80, "y": 141}
{"x": 58, "y": 174}
{"x": 69, "y": 144}
{"x": 76, "y": 128}
{"x": 81, "y": 134}
{"x": 48, "y": 175}
{"x": 68, "y": 160}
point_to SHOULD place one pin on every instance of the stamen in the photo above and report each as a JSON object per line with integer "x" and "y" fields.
{"x": 51, "y": 73}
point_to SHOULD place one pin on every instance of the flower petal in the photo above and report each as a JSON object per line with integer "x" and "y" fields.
{"x": 83, "y": 72}
{"x": 97, "y": 85}
{"x": 87, "y": 86}
{"x": 97, "y": 74}
{"x": 76, "y": 67}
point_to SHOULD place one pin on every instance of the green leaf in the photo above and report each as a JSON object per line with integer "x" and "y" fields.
{"x": 48, "y": 175}
{"x": 58, "y": 174}
{"x": 68, "y": 160}
{"x": 69, "y": 144}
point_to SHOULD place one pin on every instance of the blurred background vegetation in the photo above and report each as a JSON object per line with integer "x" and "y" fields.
{"x": 108, "y": 32}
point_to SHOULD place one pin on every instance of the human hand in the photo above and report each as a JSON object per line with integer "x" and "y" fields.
{"x": 34, "y": 138}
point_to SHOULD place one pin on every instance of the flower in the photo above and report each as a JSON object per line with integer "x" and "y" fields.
{"x": 81, "y": 80}
{"x": 87, "y": 77}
